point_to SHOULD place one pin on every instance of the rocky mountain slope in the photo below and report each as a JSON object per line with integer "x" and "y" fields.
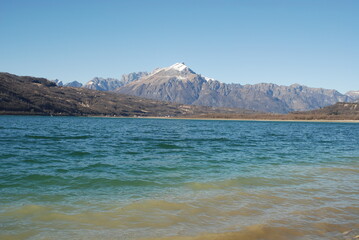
{"x": 30, "y": 95}
{"x": 353, "y": 94}
{"x": 103, "y": 84}
{"x": 337, "y": 112}
{"x": 180, "y": 84}
{"x": 128, "y": 78}
{"x": 73, "y": 84}
{"x": 111, "y": 84}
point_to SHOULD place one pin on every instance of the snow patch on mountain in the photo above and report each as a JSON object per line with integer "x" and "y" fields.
{"x": 353, "y": 94}
{"x": 209, "y": 79}
{"x": 178, "y": 66}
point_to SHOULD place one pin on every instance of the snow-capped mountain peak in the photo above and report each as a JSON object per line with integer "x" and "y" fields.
{"x": 178, "y": 66}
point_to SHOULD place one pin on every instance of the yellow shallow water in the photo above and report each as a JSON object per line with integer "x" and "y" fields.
{"x": 292, "y": 208}
{"x": 244, "y": 215}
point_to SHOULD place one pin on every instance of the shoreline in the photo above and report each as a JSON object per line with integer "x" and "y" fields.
{"x": 253, "y": 119}
{"x": 233, "y": 119}
{"x": 199, "y": 118}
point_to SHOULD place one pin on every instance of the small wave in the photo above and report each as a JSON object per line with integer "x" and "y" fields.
{"x": 100, "y": 165}
{"x": 218, "y": 139}
{"x": 155, "y": 205}
{"x": 215, "y": 139}
{"x": 77, "y": 137}
{"x": 78, "y": 154}
{"x": 132, "y": 153}
{"x": 243, "y": 181}
{"x": 85, "y": 182}
{"x": 254, "y": 232}
{"x": 32, "y": 160}
{"x": 27, "y": 210}
{"x": 141, "y": 214}
{"x": 352, "y": 157}
{"x": 57, "y": 138}
{"x": 341, "y": 170}
{"x": 42, "y": 177}
{"x": 95, "y": 167}
{"x": 168, "y": 146}
{"x": 342, "y": 213}
{"x": 6, "y": 156}
{"x": 40, "y": 137}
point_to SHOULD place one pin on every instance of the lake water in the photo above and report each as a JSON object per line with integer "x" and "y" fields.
{"x": 108, "y": 178}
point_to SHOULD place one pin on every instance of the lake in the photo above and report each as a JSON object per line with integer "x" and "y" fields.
{"x": 130, "y": 178}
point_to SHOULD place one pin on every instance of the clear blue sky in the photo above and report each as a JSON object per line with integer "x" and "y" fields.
{"x": 310, "y": 42}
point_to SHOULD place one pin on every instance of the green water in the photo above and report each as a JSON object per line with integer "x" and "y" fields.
{"x": 106, "y": 178}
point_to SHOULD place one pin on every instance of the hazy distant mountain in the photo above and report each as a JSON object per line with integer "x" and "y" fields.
{"x": 58, "y": 82}
{"x": 103, "y": 84}
{"x": 111, "y": 84}
{"x": 298, "y": 97}
{"x": 70, "y": 84}
{"x": 349, "y": 110}
{"x": 178, "y": 83}
{"x": 128, "y": 78}
{"x": 353, "y": 94}
{"x": 73, "y": 84}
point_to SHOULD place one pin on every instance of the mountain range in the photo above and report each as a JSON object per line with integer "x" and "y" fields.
{"x": 180, "y": 84}
{"x": 26, "y": 95}
{"x": 39, "y": 96}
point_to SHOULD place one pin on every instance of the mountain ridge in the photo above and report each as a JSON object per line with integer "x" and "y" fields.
{"x": 24, "y": 95}
{"x": 39, "y": 96}
{"x": 178, "y": 83}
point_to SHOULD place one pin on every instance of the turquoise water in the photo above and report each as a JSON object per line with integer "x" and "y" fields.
{"x": 108, "y": 178}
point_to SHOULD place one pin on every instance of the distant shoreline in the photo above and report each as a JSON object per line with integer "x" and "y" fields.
{"x": 263, "y": 120}
{"x": 232, "y": 119}
{"x": 195, "y": 118}
{"x": 254, "y": 120}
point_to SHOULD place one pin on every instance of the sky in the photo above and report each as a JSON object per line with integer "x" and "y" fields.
{"x": 309, "y": 42}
